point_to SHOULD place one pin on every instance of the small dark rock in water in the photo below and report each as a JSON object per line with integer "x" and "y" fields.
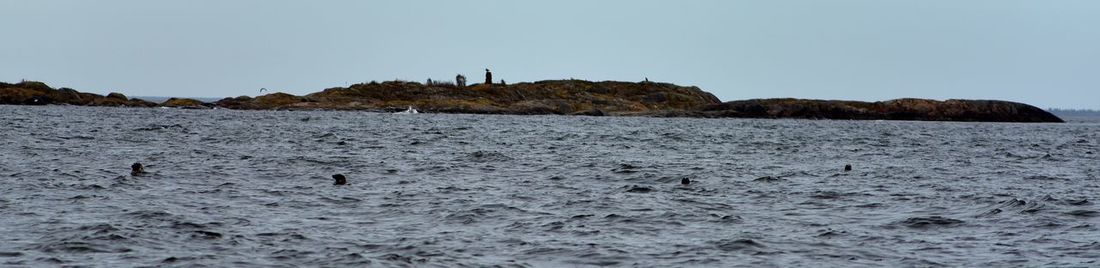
{"x": 340, "y": 179}
{"x": 847, "y": 167}
{"x": 137, "y": 169}
{"x": 685, "y": 181}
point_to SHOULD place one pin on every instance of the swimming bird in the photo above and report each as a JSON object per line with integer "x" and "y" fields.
{"x": 137, "y": 169}
{"x": 410, "y": 110}
{"x": 685, "y": 181}
{"x": 340, "y": 179}
{"x": 847, "y": 167}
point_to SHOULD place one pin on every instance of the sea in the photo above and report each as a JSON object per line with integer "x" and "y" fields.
{"x": 228, "y": 188}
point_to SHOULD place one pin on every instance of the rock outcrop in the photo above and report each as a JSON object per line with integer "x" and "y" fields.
{"x": 273, "y": 101}
{"x": 899, "y": 109}
{"x": 185, "y": 103}
{"x": 544, "y": 97}
{"x": 38, "y": 93}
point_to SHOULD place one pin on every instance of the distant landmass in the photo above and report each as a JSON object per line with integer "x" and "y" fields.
{"x": 564, "y": 97}
{"x": 1075, "y": 112}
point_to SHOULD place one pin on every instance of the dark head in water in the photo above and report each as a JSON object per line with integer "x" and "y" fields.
{"x": 685, "y": 181}
{"x": 137, "y": 169}
{"x": 340, "y": 179}
{"x": 847, "y": 167}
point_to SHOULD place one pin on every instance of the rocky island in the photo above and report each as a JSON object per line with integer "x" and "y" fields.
{"x": 564, "y": 97}
{"x": 899, "y": 109}
{"x": 38, "y": 93}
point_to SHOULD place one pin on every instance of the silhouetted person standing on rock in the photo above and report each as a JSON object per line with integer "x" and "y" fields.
{"x": 488, "y": 77}
{"x": 460, "y": 80}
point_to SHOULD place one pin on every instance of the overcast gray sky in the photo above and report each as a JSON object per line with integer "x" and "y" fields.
{"x": 1045, "y": 53}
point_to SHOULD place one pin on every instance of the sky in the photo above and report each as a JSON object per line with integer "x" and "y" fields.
{"x": 1044, "y": 53}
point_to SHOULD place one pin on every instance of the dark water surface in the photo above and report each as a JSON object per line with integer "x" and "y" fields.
{"x": 253, "y": 188}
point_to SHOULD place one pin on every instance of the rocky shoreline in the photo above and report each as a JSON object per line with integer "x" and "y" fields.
{"x": 899, "y": 109}
{"x": 564, "y": 97}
